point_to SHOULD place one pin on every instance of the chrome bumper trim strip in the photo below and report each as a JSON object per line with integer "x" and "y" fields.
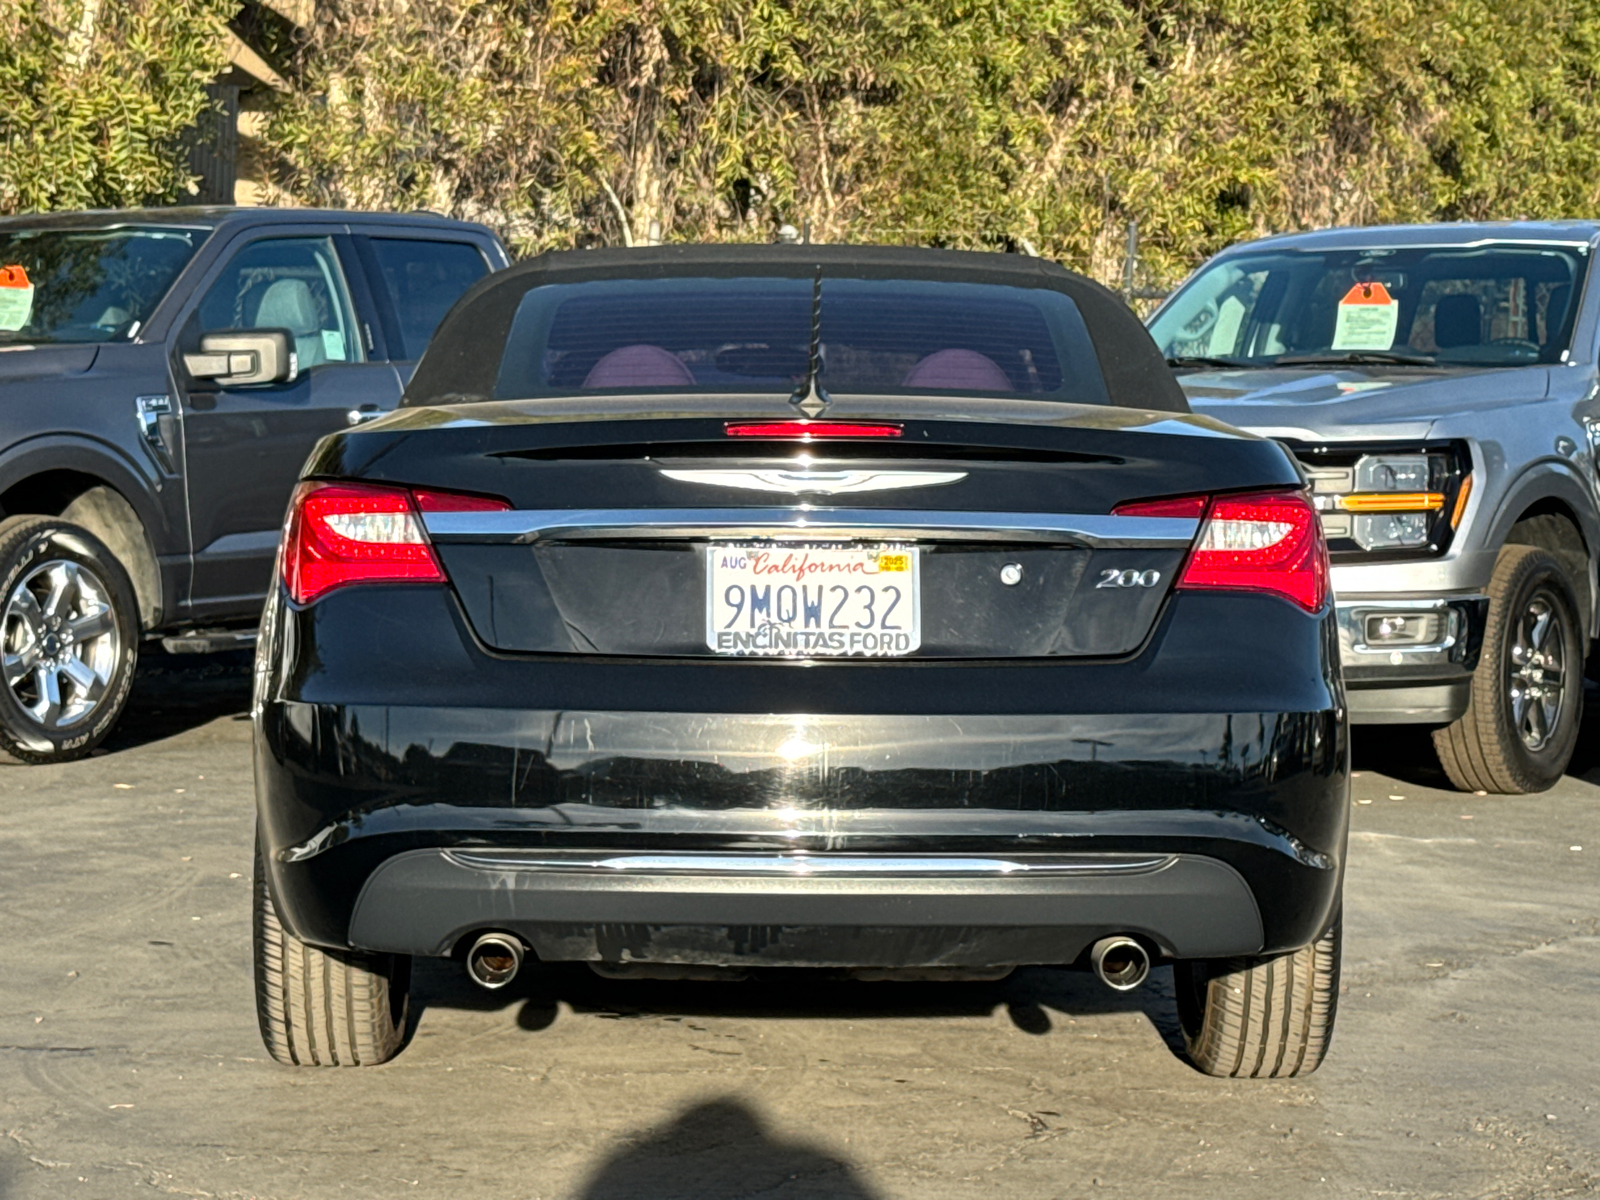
{"x": 805, "y": 864}
{"x": 804, "y": 521}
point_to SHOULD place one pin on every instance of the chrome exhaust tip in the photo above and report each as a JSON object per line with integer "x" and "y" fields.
{"x": 1121, "y": 963}
{"x": 494, "y": 960}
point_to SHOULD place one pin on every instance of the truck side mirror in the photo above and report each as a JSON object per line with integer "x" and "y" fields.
{"x": 239, "y": 357}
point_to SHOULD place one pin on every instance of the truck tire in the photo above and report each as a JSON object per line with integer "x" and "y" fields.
{"x": 324, "y": 1008}
{"x": 1521, "y": 724}
{"x": 1261, "y": 1019}
{"x": 69, "y": 640}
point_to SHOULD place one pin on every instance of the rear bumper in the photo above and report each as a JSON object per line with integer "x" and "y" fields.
{"x": 773, "y": 910}
{"x": 1222, "y": 759}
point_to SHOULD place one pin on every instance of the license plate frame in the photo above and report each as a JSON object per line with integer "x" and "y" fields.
{"x": 829, "y": 628}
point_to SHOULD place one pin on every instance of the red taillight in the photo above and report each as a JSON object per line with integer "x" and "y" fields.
{"x": 429, "y": 500}
{"x": 1177, "y": 506}
{"x": 1268, "y": 542}
{"x": 346, "y": 533}
{"x": 806, "y": 431}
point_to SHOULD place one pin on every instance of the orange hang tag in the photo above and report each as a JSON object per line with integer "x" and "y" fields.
{"x": 16, "y": 298}
{"x": 1367, "y": 293}
{"x": 1368, "y": 317}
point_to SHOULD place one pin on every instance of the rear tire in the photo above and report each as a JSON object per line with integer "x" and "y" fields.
{"x": 1261, "y": 1019}
{"x": 1513, "y": 739}
{"x": 324, "y": 1008}
{"x": 69, "y": 632}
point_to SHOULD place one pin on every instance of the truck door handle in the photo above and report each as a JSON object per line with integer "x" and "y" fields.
{"x": 367, "y": 412}
{"x": 153, "y": 413}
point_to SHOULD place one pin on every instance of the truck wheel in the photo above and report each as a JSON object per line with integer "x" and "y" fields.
{"x": 1261, "y": 1019}
{"x": 69, "y": 639}
{"x": 324, "y": 1008}
{"x": 1521, "y": 725}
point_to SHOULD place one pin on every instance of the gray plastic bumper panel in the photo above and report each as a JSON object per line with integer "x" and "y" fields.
{"x": 818, "y": 910}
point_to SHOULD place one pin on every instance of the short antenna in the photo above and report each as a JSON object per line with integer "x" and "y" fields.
{"x": 811, "y": 397}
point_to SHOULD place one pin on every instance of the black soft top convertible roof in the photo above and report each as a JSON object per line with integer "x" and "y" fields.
{"x": 463, "y": 360}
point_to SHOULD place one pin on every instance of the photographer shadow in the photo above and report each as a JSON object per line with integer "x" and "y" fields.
{"x": 720, "y": 1149}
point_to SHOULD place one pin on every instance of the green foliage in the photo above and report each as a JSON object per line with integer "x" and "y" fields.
{"x": 978, "y": 123}
{"x": 954, "y": 122}
{"x": 96, "y": 97}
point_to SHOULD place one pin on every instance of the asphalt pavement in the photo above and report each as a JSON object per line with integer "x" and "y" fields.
{"x": 1466, "y": 1061}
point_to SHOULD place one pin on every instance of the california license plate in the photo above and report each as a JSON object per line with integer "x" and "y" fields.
{"x": 853, "y": 598}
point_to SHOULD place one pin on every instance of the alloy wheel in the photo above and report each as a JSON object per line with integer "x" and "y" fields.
{"x": 60, "y": 643}
{"x": 1537, "y": 671}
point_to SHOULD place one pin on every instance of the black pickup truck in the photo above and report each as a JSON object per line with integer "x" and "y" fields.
{"x": 164, "y": 374}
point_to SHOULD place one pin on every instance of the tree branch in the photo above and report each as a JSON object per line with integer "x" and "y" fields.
{"x": 622, "y": 214}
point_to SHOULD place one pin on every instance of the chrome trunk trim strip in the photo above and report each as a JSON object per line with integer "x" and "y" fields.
{"x": 528, "y": 526}
{"x": 790, "y": 865}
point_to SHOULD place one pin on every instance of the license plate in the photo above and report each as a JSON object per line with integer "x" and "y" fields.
{"x": 853, "y": 598}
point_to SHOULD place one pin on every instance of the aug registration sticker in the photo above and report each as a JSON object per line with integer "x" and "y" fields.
{"x": 838, "y": 599}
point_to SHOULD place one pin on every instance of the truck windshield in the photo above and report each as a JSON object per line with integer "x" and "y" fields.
{"x": 86, "y": 285}
{"x": 1501, "y": 305}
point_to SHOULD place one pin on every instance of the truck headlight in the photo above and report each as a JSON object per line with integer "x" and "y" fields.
{"x": 1390, "y": 501}
{"x": 1387, "y": 473}
{"x": 1392, "y": 504}
{"x": 1390, "y": 531}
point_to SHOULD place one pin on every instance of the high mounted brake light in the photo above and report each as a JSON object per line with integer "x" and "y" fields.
{"x": 340, "y": 534}
{"x": 808, "y": 431}
{"x": 1268, "y": 542}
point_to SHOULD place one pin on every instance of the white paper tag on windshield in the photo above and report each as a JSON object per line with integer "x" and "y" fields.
{"x": 1368, "y": 317}
{"x": 333, "y": 345}
{"x": 16, "y": 298}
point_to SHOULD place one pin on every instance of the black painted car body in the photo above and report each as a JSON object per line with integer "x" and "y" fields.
{"x": 546, "y": 743}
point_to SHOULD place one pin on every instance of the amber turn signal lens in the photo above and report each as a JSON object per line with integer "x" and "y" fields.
{"x": 1461, "y": 502}
{"x": 1392, "y": 502}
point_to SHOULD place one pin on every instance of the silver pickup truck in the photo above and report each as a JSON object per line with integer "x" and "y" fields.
{"x": 1438, "y": 384}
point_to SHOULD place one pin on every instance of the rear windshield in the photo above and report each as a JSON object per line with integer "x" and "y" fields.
{"x": 877, "y": 336}
{"x": 87, "y": 285}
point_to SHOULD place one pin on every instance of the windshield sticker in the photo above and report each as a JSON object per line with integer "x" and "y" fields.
{"x": 1367, "y": 319}
{"x": 333, "y": 345}
{"x": 16, "y": 298}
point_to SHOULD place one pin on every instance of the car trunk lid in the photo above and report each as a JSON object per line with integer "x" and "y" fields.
{"x": 624, "y": 538}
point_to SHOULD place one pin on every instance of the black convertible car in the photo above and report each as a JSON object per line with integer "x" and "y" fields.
{"x": 712, "y": 609}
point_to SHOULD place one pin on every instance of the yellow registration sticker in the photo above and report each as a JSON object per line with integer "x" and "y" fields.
{"x": 894, "y": 562}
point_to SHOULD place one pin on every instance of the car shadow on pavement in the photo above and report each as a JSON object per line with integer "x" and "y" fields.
{"x": 1402, "y": 752}
{"x": 720, "y": 1148}
{"x": 1405, "y": 752}
{"x": 1037, "y": 1000}
{"x": 174, "y": 693}
{"x": 1586, "y": 757}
